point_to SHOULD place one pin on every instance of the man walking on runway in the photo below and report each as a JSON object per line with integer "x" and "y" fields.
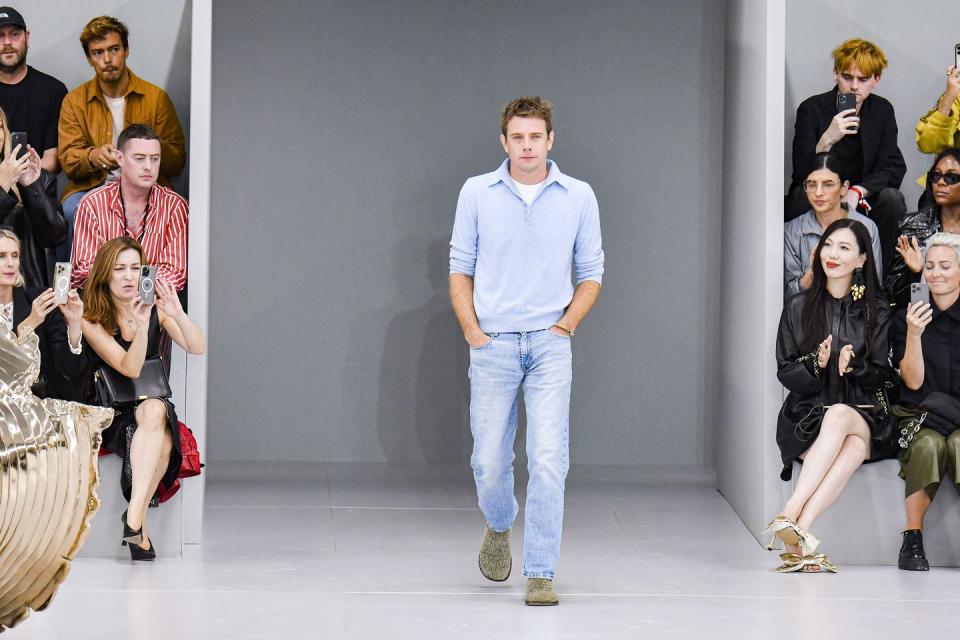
{"x": 517, "y": 233}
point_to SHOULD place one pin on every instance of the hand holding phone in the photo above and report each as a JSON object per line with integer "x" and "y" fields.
{"x": 846, "y": 101}
{"x": 844, "y": 123}
{"x": 919, "y": 293}
{"x": 148, "y": 280}
{"x": 19, "y": 138}
{"x": 920, "y": 311}
{"x": 61, "y": 281}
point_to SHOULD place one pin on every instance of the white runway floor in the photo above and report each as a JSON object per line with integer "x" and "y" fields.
{"x": 390, "y": 551}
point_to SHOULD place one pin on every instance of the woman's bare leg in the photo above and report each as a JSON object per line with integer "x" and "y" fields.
{"x": 146, "y": 451}
{"x": 839, "y": 421}
{"x": 917, "y": 504}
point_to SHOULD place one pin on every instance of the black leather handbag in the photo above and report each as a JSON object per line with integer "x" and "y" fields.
{"x": 115, "y": 389}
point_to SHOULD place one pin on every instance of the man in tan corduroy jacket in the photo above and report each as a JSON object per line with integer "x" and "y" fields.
{"x": 94, "y": 114}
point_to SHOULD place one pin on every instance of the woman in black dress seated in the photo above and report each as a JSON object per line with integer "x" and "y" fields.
{"x": 915, "y": 228}
{"x": 62, "y": 361}
{"x": 123, "y": 333}
{"x": 832, "y": 357}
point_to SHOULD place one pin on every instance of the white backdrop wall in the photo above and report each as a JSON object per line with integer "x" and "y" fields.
{"x": 918, "y": 39}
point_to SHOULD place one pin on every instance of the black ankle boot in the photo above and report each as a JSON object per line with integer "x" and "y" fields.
{"x": 912, "y": 557}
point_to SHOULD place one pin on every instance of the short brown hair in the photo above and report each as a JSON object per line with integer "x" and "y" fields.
{"x": 97, "y": 304}
{"x": 136, "y": 132}
{"x": 99, "y": 27}
{"x": 867, "y": 56}
{"x": 527, "y": 107}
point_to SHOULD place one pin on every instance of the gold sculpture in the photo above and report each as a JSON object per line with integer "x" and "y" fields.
{"x": 48, "y": 479}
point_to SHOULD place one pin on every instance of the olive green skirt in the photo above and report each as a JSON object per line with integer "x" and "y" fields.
{"x": 928, "y": 459}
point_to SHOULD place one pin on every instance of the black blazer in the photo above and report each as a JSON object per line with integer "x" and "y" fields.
{"x": 883, "y": 164}
{"x": 38, "y": 222}
{"x": 61, "y": 372}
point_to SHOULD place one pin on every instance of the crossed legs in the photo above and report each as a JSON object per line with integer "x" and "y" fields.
{"x": 842, "y": 446}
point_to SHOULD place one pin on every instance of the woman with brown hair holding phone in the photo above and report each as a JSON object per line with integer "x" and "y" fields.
{"x": 124, "y": 334}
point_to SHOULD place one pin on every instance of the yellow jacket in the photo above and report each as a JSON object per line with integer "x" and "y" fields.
{"x": 936, "y": 132}
{"x": 85, "y": 123}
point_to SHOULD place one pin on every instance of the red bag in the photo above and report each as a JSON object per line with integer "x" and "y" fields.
{"x": 191, "y": 464}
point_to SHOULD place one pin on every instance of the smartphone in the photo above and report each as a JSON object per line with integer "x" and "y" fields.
{"x": 956, "y": 57}
{"x": 846, "y": 101}
{"x": 19, "y": 138}
{"x": 919, "y": 292}
{"x": 61, "y": 281}
{"x": 148, "y": 278}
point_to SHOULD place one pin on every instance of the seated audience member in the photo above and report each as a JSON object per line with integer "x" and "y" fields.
{"x": 123, "y": 333}
{"x": 864, "y": 140}
{"x": 925, "y": 340}
{"x": 94, "y": 114}
{"x": 28, "y": 205}
{"x": 825, "y": 189}
{"x": 832, "y": 357}
{"x": 62, "y": 361}
{"x": 942, "y": 214}
{"x": 939, "y": 128}
{"x": 30, "y": 98}
{"x": 134, "y": 206}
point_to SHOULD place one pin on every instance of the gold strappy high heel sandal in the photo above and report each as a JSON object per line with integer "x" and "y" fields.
{"x": 787, "y": 531}
{"x": 792, "y": 563}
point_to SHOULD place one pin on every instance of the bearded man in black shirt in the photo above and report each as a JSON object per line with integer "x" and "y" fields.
{"x": 30, "y": 99}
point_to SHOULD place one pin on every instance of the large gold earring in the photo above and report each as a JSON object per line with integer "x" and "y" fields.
{"x": 858, "y": 288}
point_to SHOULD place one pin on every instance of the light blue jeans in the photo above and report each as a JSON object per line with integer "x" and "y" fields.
{"x": 540, "y": 362}
{"x": 70, "y": 213}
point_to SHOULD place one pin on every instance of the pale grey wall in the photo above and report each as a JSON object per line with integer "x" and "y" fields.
{"x": 917, "y": 38}
{"x": 342, "y": 132}
{"x": 750, "y": 396}
{"x": 159, "y": 45}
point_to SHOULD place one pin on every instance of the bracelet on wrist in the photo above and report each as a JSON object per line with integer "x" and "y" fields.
{"x": 569, "y": 332}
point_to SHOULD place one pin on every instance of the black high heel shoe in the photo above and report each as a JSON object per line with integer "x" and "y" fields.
{"x": 130, "y": 536}
{"x": 139, "y": 553}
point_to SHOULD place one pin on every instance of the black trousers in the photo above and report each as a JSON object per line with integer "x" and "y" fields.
{"x": 886, "y": 210}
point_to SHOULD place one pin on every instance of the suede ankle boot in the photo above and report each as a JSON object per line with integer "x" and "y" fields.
{"x": 540, "y": 593}
{"x": 495, "y": 559}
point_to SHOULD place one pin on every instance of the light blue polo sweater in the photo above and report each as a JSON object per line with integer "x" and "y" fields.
{"x": 522, "y": 257}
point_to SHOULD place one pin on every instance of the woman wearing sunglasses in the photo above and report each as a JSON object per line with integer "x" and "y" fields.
{"x": 943, "y": 190}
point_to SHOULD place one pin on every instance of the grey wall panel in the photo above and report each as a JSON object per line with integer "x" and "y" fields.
{"x": 748, "y": 464}
{"x": 342, "y": 134}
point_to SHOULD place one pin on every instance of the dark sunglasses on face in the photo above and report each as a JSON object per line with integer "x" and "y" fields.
{"x": 950, "y": 179}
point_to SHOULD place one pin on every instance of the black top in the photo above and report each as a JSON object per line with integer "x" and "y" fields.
{"x": 33, "y": 105}
{"x": 38, "y": 222}
{"x": 849, "y": 155}
{"x": 920, "y": 225}
{"x": 62, "y": 373}
{"x": 882, "y": 163}
{"x": 153, "y": 340}
{"x": 940, "y": 344}
{"x": 809, "y": 388}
